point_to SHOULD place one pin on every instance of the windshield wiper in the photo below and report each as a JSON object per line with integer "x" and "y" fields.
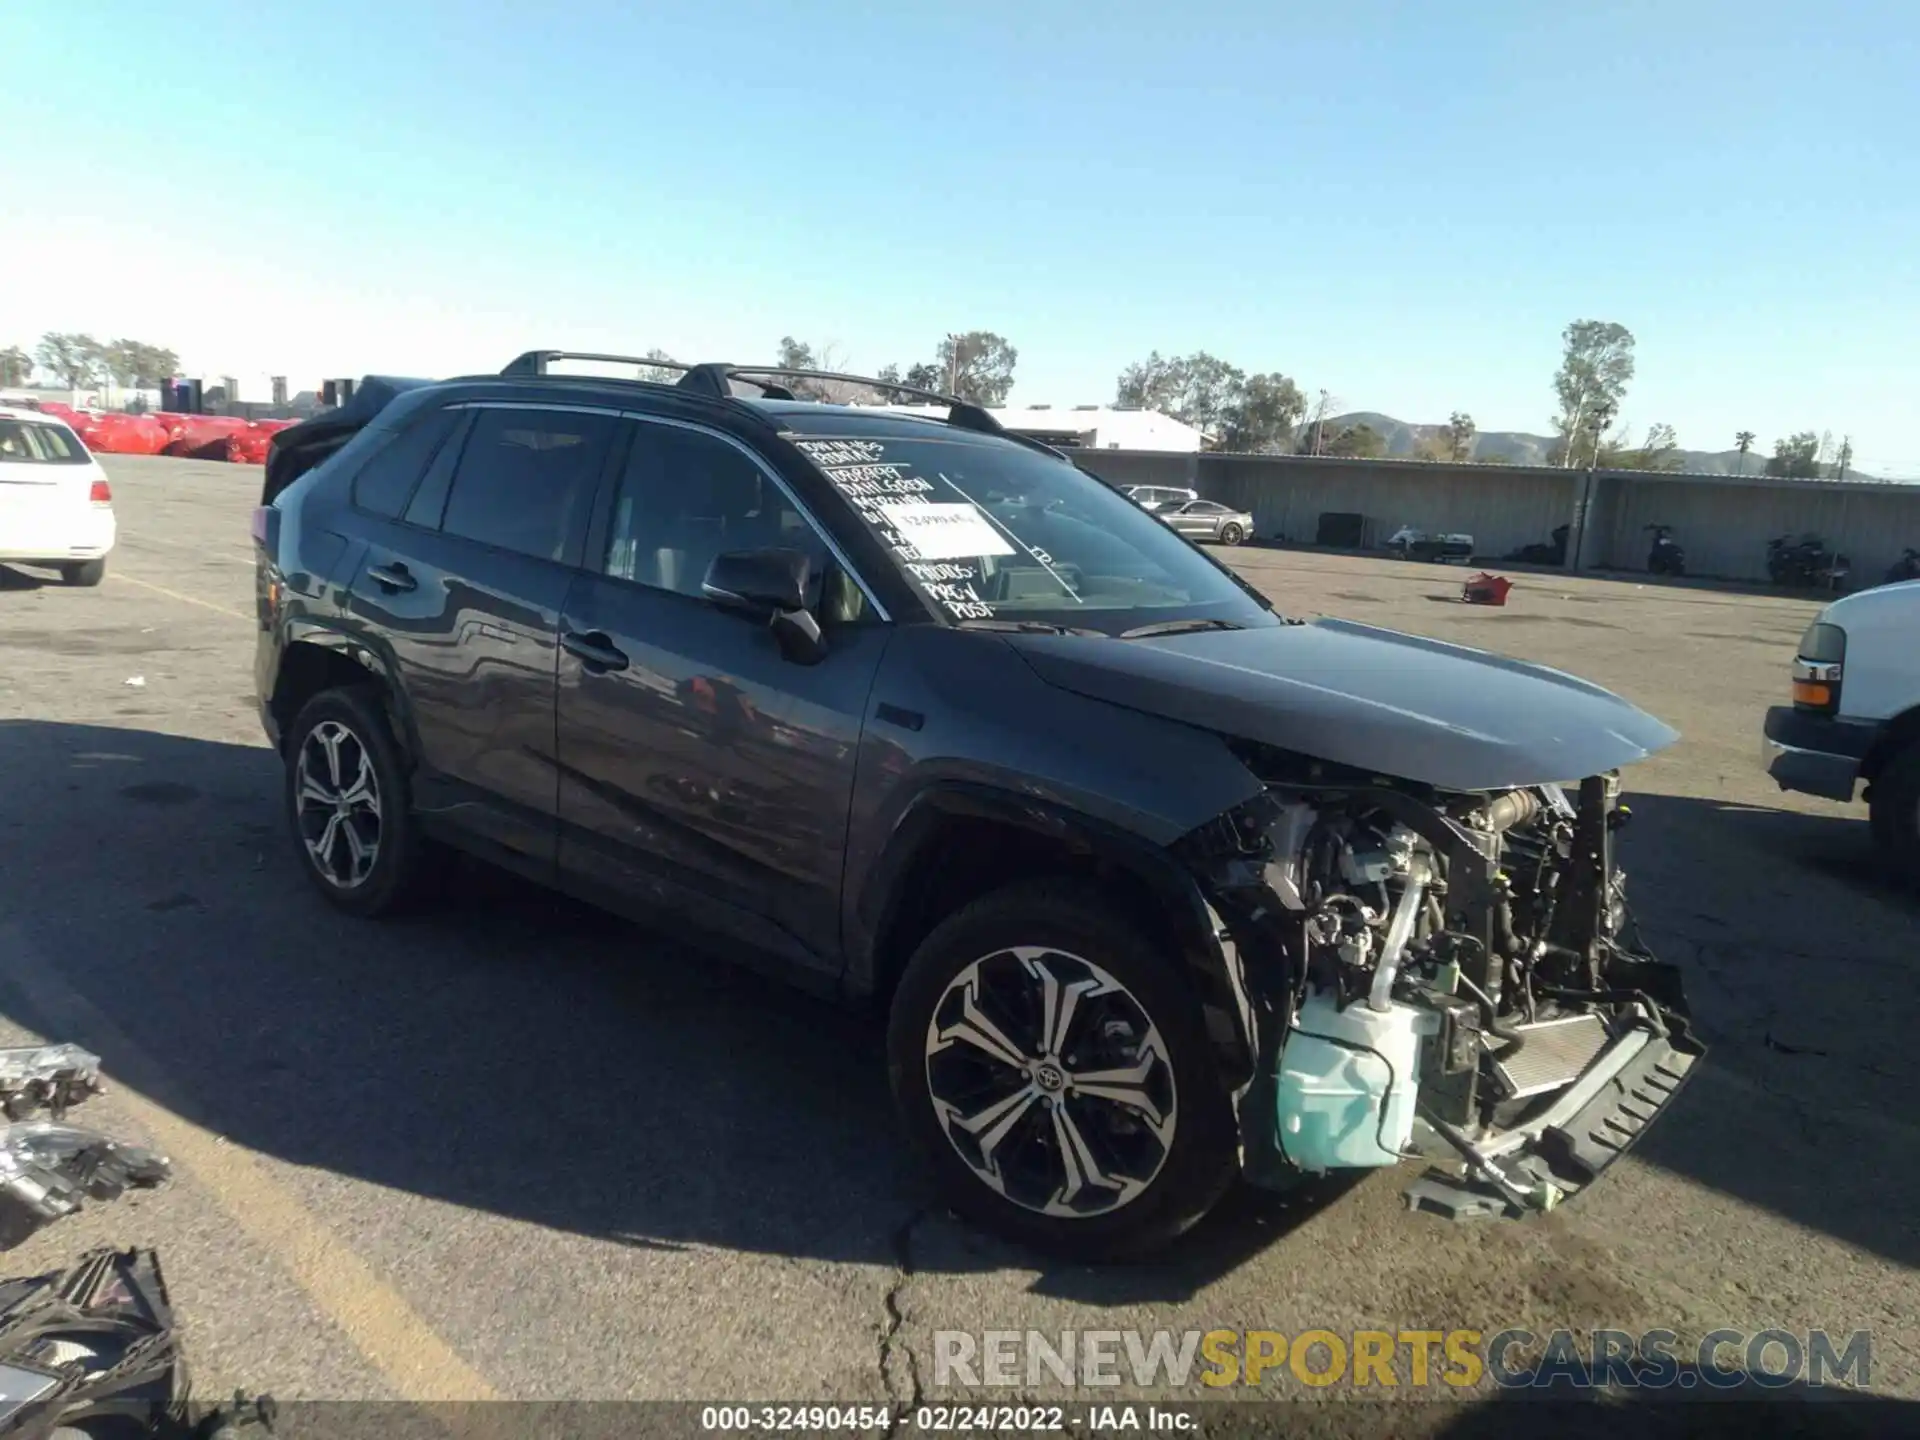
{"x": 1178, "y": 627}
{"x": 1028, "y": 627}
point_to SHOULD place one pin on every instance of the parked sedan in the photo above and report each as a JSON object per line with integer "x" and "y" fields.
{"x": 1207, "y": 520}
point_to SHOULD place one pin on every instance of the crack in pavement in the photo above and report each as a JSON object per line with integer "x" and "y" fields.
{"x": 890, "y": 1304}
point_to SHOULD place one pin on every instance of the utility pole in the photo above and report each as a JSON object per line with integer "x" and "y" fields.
{"x": 1846, "y": 457}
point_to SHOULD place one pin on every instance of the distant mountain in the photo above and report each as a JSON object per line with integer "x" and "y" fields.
{"x": 1517, "y": 448}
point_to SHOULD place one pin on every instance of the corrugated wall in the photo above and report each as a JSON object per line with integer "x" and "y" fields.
{"x": 1725, "y": 527}
{"x": 1287, "y": 497}
{"x": 1724, "y": 522}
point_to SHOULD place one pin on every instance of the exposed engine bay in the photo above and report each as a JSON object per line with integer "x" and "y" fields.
{"x": 1449, "y": 977}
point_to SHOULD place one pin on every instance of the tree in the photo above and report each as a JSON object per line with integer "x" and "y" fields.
{"x": 977, "y": 366}
{"x": 1743, "y": 442}
{"x": 1591, "y": 445}
{"x": 1313, "y": 439}
{"x": 1660, "y": 451}
{"x": 1262, "y": 415}
{"x": 16, "y": 366}
{"x": 926, "y": 377}
{"x": 659, "y": 375}
{"x": 1844, "y": 459}
{"x": 1795, "y": 457}
{"x": 1460, "y": 434}
{"x": 75, "y": 359}
{"x": 1155, "y": 383}
{"x": 1594, "y": 370}
{"x": 793, "y": 354}
{"x": 138, "y": 365}
{"x": 1357, "y": 442}
{"x": 1234, "y": 410}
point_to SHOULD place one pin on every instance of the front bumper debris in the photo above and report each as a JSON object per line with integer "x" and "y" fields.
{"x": 1541, "y": 1164}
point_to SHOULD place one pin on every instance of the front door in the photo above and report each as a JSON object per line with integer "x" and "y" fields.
{"x": 463, "y": 582}
{"x": 703, "y": 776}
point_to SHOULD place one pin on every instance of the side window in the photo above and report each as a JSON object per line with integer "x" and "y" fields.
{"x": 391, "y": 472}
{"x": 526, "y": 479}
{"x": 687, "y": 497}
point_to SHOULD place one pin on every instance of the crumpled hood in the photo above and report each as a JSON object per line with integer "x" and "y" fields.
{"x": 1378, "y": 700}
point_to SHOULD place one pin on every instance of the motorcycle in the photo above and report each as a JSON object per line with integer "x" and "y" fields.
{"x": 1538, "y": 554}
{"x": 1665, "y": 556}
{"x": 1806, "y": 563}
{"x": 1907, "y": 567}
{"x": 90, "y": 1350}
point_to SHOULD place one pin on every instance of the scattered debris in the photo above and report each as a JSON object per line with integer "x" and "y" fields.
{"x": 1485, "y": 589}
{"x": 137, "y": 681}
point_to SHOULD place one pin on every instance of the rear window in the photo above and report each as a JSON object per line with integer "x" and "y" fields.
{"x": 386, "y": 481}
{"x": 33, "y": 442}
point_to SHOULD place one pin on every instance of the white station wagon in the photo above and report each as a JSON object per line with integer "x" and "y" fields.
{"x": 56, "y": 508}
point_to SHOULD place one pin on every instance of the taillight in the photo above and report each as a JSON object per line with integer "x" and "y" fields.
{"x": 101, "y": 493}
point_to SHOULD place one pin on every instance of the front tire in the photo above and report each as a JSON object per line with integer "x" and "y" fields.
{"x": 86, "y": 573}
{"x": 1052, "y": 1068}
{"x": 1231, "y": 534}
{"x": 1895, "y": 812}
{"x": 349, "y": 806}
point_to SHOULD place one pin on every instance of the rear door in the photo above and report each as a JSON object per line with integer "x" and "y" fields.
{"x": 46, "y": 490}
{"x": 463, "y": 577}
{"x": 701, "y": 773}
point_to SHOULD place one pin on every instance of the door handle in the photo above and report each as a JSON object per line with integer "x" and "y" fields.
{"x": 392, "y": 577}
{"x": 596, "y": 651}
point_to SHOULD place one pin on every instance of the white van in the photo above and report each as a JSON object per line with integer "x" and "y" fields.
{"x": 56, "y": 508}
{"x": 1855, "y": 714}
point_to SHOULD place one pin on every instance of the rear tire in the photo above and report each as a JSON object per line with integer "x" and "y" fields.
{"x": 1102, "y": 1140}
{"x": 349, "y": 806}
{"x": 84, "y": 572}
{"x": 1895, "y": 811}
{"x": 1231, "y": 534}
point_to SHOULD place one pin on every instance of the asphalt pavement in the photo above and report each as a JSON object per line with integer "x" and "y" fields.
{"x": 516, "y": 1148}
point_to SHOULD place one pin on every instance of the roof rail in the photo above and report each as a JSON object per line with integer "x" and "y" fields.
{"x": 963, "y": 414}
{"x": 715, "y": 379}
{"x": 537, "y": 362}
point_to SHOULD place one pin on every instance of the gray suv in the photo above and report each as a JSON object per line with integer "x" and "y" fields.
{"x": 1153, "y": 885}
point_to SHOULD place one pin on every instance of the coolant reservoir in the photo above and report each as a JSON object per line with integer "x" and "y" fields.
{"x": 1348, "y": 1081}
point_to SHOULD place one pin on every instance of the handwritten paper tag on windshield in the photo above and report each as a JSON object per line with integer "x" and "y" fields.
{"x": 946, "y": 532}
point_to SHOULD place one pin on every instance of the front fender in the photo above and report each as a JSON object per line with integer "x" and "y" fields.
{"x": 1206, "y": 953}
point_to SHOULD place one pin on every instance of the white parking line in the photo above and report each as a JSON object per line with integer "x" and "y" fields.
{"x": 176, "y": 595}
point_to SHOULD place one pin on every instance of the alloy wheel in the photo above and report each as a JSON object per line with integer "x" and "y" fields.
{"x": 1051, "y": 1081}
{"x": 337, "y": 804}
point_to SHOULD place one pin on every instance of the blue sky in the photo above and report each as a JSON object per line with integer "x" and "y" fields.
{"x": 1401, "y": 203}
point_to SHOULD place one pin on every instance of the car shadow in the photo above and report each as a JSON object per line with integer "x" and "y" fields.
{"x": 1685, "y": 1405}
{"x": 1800, "y": 959}
{"x": 514, "y": 1052}
{"x": 506, "y": 1050}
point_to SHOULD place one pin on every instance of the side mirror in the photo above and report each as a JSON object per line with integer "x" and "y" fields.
{"x": 770, "y": 585}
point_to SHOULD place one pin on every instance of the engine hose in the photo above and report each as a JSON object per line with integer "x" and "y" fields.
{"x": 1480, "y": 1164}
{"x": 1612, "y": 997}
{"x": 1516, "y": 807}
{"x": 1490, "y": 1022}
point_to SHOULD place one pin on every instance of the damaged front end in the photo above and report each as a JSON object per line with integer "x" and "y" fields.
{"x": 1452, "y": 977}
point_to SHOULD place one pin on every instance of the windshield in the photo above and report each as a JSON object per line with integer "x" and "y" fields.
{"x": 990, "y": 532}
{"x": 32, "y": 442}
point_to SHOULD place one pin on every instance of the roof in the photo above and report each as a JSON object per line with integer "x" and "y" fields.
{"x": 809, "y": 417}
{"x": 14, "y": 412}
